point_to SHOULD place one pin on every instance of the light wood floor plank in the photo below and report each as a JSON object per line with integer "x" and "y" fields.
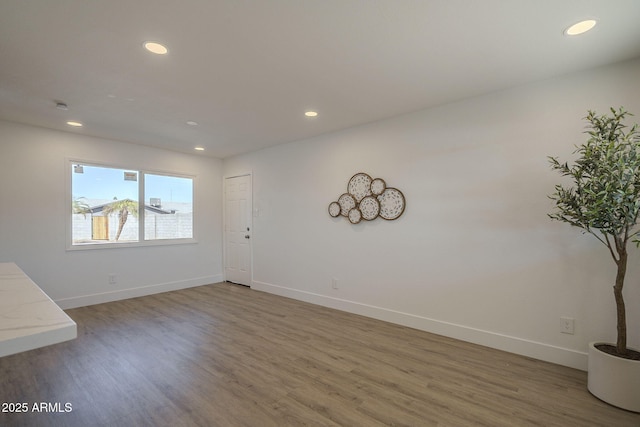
{"x": 224, "y": 355}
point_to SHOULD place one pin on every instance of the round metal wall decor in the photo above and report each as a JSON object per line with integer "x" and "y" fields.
{"x": 378, "y": 186}
{"x": 359, "y": 186}
{"x": 346, "y": 202}
{"x": 370, "y": 208}
{"x": 368, "y": 198}
{"x": 391, "y": 203}
{"x": 354, "y": 216}
{"x": 334, "y": 209}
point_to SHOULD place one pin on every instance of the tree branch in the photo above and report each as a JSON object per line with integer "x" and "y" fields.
{"x": 608, "y": 245}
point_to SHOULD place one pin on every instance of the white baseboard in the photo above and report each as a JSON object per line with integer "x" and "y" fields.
{"x": 536, "y": 350}
{"x": 84, "y": 300}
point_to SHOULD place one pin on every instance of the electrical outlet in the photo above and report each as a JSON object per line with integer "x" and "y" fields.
{"x": 567, "y": 325}
{"x": 334, "y": 283}
{"x": 112, "y": 279}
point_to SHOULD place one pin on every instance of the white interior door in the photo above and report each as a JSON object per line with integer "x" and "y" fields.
{"x": 237, "y": 229}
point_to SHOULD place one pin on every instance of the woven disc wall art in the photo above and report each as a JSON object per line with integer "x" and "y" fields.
{"x": 359, "y": 186}
{"x": 378, "y": 186}
{"x": 391, "y": 204}
{"x": 354, "y": 216}
{"x": 370, "y": 208}
{"x": 334, "y": 209}
{"x": 368, "y": 198}
{"x": 346, "y": 202}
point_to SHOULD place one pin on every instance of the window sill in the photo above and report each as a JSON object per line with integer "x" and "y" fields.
{"x": 120, "y": 245}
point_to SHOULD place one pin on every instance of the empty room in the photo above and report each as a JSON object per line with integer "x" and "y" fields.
{"x": 319, "y": 213}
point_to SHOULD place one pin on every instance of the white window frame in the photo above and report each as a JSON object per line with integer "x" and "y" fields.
{"x": 69, "y": 162}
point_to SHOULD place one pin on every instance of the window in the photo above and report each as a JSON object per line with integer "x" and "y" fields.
{"x": 116, "y": 206}
{"x": 168, "y": 210}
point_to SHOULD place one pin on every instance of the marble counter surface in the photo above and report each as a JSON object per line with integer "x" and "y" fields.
{"x": 28, "y": 317}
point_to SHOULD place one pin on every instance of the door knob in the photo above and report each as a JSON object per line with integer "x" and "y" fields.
{"x": 246, "y": 236}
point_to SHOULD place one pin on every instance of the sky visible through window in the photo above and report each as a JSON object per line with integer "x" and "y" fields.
{"x": 168, "y": 188}
{"x": 97, "y": 182}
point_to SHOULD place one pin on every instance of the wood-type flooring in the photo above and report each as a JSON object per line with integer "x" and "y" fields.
{"x": 225, "y": 355}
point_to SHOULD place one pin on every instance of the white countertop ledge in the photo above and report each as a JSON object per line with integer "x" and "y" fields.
{"x": 29, "y": 319}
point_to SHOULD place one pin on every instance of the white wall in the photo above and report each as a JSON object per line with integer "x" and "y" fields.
{"x": 33, "y": 219}
{"x": 474, "y": 256}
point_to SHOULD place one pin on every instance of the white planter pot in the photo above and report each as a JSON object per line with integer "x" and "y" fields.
{"x": 613, "y": 379}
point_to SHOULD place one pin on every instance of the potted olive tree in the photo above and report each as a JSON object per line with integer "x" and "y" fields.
{"x": 604, "y": 201}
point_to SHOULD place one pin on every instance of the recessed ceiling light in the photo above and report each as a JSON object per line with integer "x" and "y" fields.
{"x": 199, "y": 148}
{"x": 580, "y": 27}
{"x": 74, "y": 123}
{"x": 156, "y": 48}
{"x": 192, "y": 123}
{"x": 311, "y": 113}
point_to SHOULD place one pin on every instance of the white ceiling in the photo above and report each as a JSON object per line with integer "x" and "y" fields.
{"x": 246, "y": 70}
